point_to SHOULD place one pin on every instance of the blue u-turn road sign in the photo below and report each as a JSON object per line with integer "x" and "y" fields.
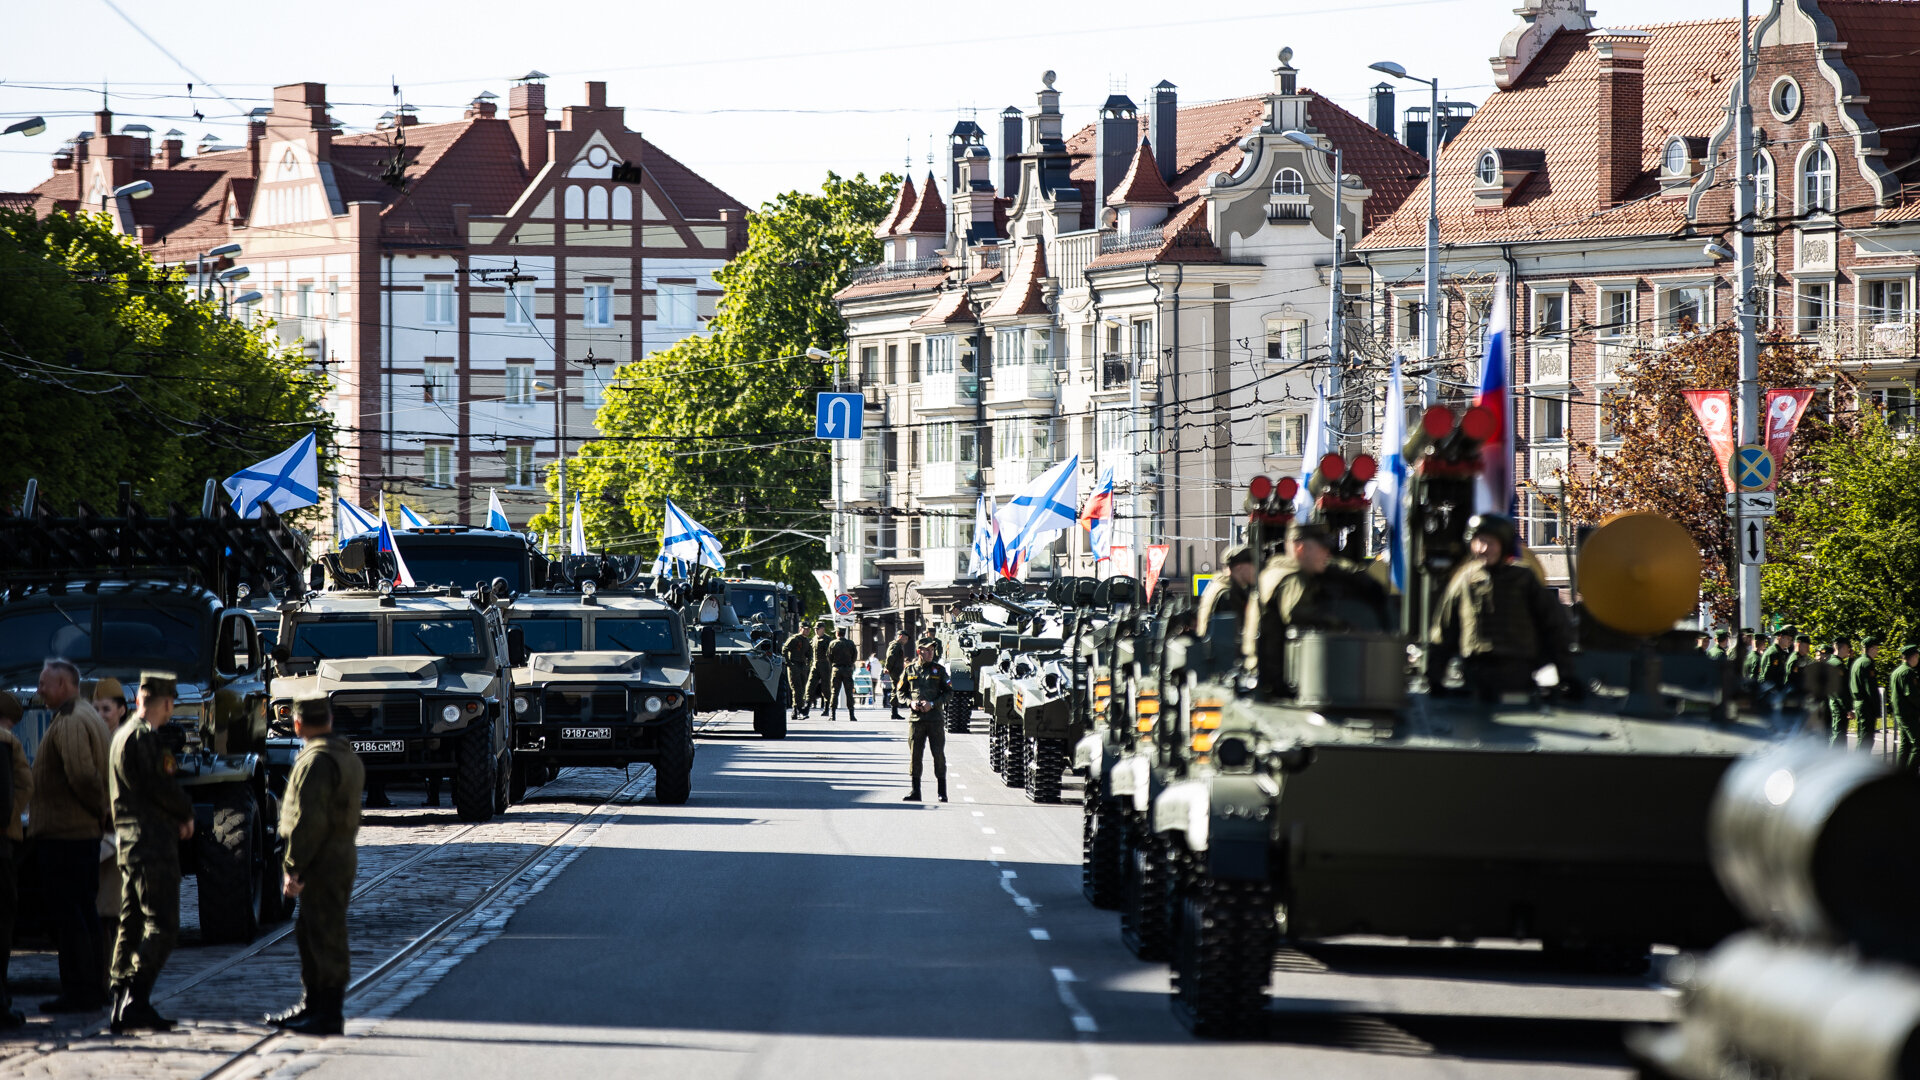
{"x": 837, "y": 416}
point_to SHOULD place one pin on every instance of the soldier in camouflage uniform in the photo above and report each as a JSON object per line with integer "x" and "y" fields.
{"x": 927, "y": 687}
{"x": 151, "y": 815}
{"x": 799, "y": 653}
{"x": 818, "y": 686}
{"x": 319, "y": 820}
{"x": 1499, "y": 618}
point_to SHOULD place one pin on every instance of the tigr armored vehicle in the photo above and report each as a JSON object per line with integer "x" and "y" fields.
{"x": 420, "y": 678}
{"x": 607, "y": 680}
{"x": 737, "y": 663}
{"x": 119, "y": 595}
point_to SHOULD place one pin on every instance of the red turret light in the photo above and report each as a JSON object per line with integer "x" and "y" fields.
{"x": 1288, "y": 488}
{"x": 1332, "y": 467}
{"x": 1363, "y": 468}
{"x": 1437, "y": 422}
{"x": 1260, "y": 488}
{"x": 1479, "y": 424}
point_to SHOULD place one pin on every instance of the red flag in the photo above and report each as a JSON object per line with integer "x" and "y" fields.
{"x": 1714, "y": 410}
{"x": 1784, "y": 410}
{"x": 1156, "y": 558}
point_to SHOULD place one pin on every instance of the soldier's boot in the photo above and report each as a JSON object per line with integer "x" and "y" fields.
{"x": 116, "y": 1020}
{"x": 138, "y": 1014}
{"x": 914, "y": 795}
{"x": 942, "y": 781}
{"x": 323, "y": 1014}
{"x": 287, "y": 1016}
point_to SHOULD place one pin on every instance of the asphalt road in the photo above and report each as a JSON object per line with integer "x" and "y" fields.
{"x": 797, "y": 919}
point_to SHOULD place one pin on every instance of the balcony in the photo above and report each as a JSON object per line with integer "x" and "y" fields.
{"x": 906, "y": 268}
{"x": 949, "y": 390}
{"x": 1132, "y": 240}
{"x": 1021, "y": 382}
{"x": 949, "y": 478}
{"x": 983, "y": 257}
{"x": 1289, "y": 208}
{"x": 1012, "y": 475}
{"x": 1069, "y": 256}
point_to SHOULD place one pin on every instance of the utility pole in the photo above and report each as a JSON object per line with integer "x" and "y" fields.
{"x": 840, "y": 493}
{"x": 1336, "y": 327}
{"x": 1133, "y": 454}
{"x": 1743, "y": 298}
{"x": 1430, "y": 315}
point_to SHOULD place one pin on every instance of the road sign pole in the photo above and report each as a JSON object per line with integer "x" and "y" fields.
{"x": 1748, "y": 390}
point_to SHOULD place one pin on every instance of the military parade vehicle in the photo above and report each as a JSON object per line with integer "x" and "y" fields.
{"x": 420, "y": 677}
{"x": 969, "y": 643}
{"x": 136, "y": 591}
{"x": 607, "y": 679}
{"x": 736, "y": 663}
{"x": 1051, "y": 702}
{"x": 1119, "y": 653}
{"x": 1019, "y": 659}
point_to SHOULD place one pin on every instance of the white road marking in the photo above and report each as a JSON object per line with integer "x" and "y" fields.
{"x": 1040, "y": 935}
{"x": 979, "y": 813}
{"x": 1063, "y": 980}
{"x": 1026, "y": 905}
{"x": 997, "y": 851}
{"x": 968, "y": 798}
{"x": 986, "y": 830}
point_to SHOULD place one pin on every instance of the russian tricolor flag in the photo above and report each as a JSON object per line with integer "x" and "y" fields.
{"x": 1097, "y": 518}
{"x": 1495, "y": 493}
{"x": 402, "y": 577}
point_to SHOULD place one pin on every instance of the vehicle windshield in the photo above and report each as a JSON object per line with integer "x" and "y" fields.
{"x": 550, "y": 635}
{"x": 466, "y": 560}
{"x": 635, "y": 635}
{"x": 28, "y": 637}
{"x": 436, "y": 637}
{"x": 334, "y": 639}
{"x": 125, "y": 632}
{"x": 748, "y": 603}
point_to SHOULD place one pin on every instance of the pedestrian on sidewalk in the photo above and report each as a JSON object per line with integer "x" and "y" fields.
{"x": 17, "y": 776}
{"x": 897, "y": 653}
{"x": 319, "y": 820}
{"x": 843, "y": 653}
{"x": 151, "y": 816}
{"x": 66, "y": 819}
{"x": 927, "y": 687}
{"x": 1903, "y": 705}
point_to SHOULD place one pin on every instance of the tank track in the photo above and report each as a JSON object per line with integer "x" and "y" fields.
{"x": 1013, "y": 761}
{"x": 1223, "y": 958}
{"x": 959, "y": 712}
{"x": 996, "y": 746}
{"x": 1144, "y": 925}
{"x": 1046, "y": 764}
{"x": 1100, "y": 849}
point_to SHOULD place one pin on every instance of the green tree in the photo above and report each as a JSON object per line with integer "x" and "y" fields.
{"x": 723, "y": 425}
{"x": 111, "y": 371}
{"x": 1845, "y": 552}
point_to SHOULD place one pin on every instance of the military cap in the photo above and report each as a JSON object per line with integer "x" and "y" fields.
{"x": 1909, "y": 649}
{"x": 1869, "y": 641}
{"x": 1788, "y": 629}
{"x": 1808, "y": 638}
{"x": 315, "y": 709}
{"x": 1309, "y": 530}
{"x": 1722, "y": 634}
{"x": 109, "y": 687}
{"x": 1239, "y": 553}
{"x": 1841, "y": 637}
{"x": 163, "y": 683}
{"x": 10, "y": 708}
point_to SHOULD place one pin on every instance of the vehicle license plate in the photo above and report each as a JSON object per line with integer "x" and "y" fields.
{"x": 379, "y": 746}
{"x": 586, "y": 733}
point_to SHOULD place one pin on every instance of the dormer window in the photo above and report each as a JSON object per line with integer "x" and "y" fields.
{"x": 1489, "y": 172}
{"x": 1681, "y": 161}
{"x": 1674, "y": 161}
{"x": 1500, "y": 172}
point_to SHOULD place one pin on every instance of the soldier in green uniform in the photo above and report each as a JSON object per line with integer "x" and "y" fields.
{"x": 1798, "y": 661}
{"x": 1863, "y": 688}
{"x": 799, "y": 653}
{"x": 1773, "y": 661}
{"x": 1499, "y": 618}
{"x": 927, "y": 687}
{"x": 1310, "y": 588}
{"x": 844, "y": 654}
{"x": 897, "y": 653}
{"x": 822, "y": 664}
{"x": 319, "y": 820}
{"x": 1839, "y": 703}
{"x": 1903, "y": 705}
{"x": 1750, "y": 666}
{"x": 1718, "y": 651}
{"x": 1228, "y": 596}
{"x": 151, "y": 815}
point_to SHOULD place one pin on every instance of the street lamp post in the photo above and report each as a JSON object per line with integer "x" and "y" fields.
{"x": 228, "y": 277}
{"x": 1430, "y": 338}
{"x": 200, "y": 264}
{"x": 1336, "y": 331}
{"x": 139, "y": 189}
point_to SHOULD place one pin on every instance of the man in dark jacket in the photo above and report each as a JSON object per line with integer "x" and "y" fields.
{"x": 799, "y": 653}
{"x": 151, "y": 815}
{"x": 843, "y": 654}
{"x": 1863, "y": 689}
{"x": 926, "y": 689}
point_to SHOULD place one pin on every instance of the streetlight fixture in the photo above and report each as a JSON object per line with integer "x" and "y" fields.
{"x": 1336, "y": 332}
{"x": 139, "y": 189}
{"x": 228, "y": 277}
{"x": 32, "y": 125}
{"x": 216, "y": 254}
{"x": 1430, "y": 342}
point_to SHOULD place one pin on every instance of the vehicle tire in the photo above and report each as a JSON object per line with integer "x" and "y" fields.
{"x": 517, "y": 788}
{"x": 1014, "y": 760}
{"x": 770, "y": 720}
{"x": 474, "y": 768}
{"x": 996, "y": 746}
{"x": 229, "y": 856}
{"x": 1046, "y": 764}
{"x": 1143, "y": 897}
{"x": 1223, "y": 957}
{"x": 673, "y": 773}
{"x": 1100, "y": 849}
{"x": 503, "y": 796}
{"x": 959, "y": 712}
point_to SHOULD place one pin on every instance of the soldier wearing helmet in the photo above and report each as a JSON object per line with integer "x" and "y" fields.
{"x": 1498, "y": 618}
{"x": 1311, "y": 588}
{"x": 1228, "y": 595}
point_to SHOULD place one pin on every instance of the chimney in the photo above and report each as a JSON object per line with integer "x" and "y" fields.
{"x": 310, "y": 98}
{"x": 173, "y": 149}
{"x": 1380, "y": 106}
{"x": 1620, "y": 92}
{"x": 103, "y": 122}
{"x": 1010, "y": 123}
{"x": 1163, "y": 129}
{"x": 596, "y": 103}
{"x": 1119, "y": 136}
{"x": 483, "y": 107}
{"x": 596, "y": 95}
{"x": 527, "y": 118}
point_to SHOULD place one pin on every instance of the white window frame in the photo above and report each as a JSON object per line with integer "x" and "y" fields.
{"x": 1816, "y": 175}
{"x": 439, "y": 384}
{"x": 516, "y": 386}
{"x": 1607, "y": 328}
{"x": 1279, "y": 331}
{"x": 517, "y": 300}
{"x": 1813, "y": 307}
{"x": 1898, "y": 403}
{"x": 593, "y": 386}
{"x": 440, "y": 303}
{"x": 1112, "y": 430}
{"x": 1551, "y": 403}
{"x": 676, "y": 304}
{"x": 1409, "y": 319}
{"x": 1764, "y": 182}
{"x": 1882, "y": 314}
{"x": 1559, "y": 298}
{"x": 521, "y": 471}
{"x": 1289, "y": 181}
{"x": 436, "y": 464}
{"x": 1486, "y": 163}
{"x": 939, "y": 355}
{"x": 597, "y": 306}
{"x": 1287, "y": 435}
{"x": 941, "y": 440}
{"x": 1662, "y": 304}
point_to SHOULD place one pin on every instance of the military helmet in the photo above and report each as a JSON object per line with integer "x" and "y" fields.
{"x": 1498, "y": 526}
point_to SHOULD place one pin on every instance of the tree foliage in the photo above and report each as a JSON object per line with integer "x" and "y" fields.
{"x": 111, "y": 371}
{"x": 723, "y": 424}
{"x": 1661, "y": 461}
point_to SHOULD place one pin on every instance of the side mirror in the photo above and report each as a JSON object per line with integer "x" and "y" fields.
{"x": 238, "y": 650}
{"x": 517, "y": 646}
{"x": 316, "y": 577}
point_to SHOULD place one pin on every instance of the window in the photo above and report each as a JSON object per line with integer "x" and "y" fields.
{"x": 1113, "y": 340}
{"x": 1898, "y": 403}
{"x": 1549, "y": 314}
{"x": 1543, "y": 522}
{"x": 1608, "y": 415}
{"x": 519, "y": 300}
{"x": 913, "y": 361}
{"x": 437, "y": 384}
{"x": 1142, "y": 340}
{"x": 939, "y": 530}
{"x": 1813, "y": 308}
{"x": 1489, "y": 171}
{"x": 1886, "y": 301}
{"x": 1816, "y": 180}
{"x": 1673, "y": 161}
{"x": 1023, "y": 439}
{"x": 1289, "y": 182}
{"x": 1479, "y": 311}
{"x": 1616, "y": 313}
{"x": 1287, "y": 340}
{"x": 1762, "y": 182}
{"x": 869, "y": 365}
{"x": 1408, "y": 324}
{"x": 593, "y": 387}
{"x": 1113, "y": 431}
{"x": 1286, "y": 436}
{"x": 599, "y": 305}
{"x": 519, "y": 384}
{"x": 1683, "y": 308}
{"x": 303, "y": 301}
{"x": 940, "y": 443}
{"x": 893, "y": 364}
{"x": 676, "y": 305}
{"x": 439, "y": 303}
{"x": 940, "y": 355}
{"x": 1039, "y": 346}
{"x": 1784, "y": 99}
{"x": 1010, "y": 346}
{"x": 1550, "y": 419}
{"x": 520, "y": 466}
{"x": 437, "y": 464}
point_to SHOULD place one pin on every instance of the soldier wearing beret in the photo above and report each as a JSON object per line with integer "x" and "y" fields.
{"x": 151, "y": 816}
{"x": 1863, "y": 688}
{"x": 319, "y": 821}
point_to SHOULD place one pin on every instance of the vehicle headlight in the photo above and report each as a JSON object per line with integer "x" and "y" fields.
{"x": 521, "y": 705}
{"x": 450, "y": 713}
{"x": 654, "y": 704}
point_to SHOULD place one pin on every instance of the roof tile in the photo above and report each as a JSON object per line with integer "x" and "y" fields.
{"x": 1142, "y": 185}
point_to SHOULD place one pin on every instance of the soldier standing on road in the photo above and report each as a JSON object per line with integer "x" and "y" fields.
{"x": 799, "y": 653}
{"x": 1750, "y": 667}
{"x": 1798, "y": 661}
{"x": 844, "y": 654}
{"x": 1863, "y": 687}
{"x": 66, "y": 820}
{"x": 1229, "y": 595}
{"x": 1839, "y": 702}
{"x": 319, "y": 820}
{"x": 17, "y": 777}
{"x": 896, "y": 668}
{"x": 151, "y": 815}
{"x": 1719, "y": 649}
{"x": 1903, "y": 705}
{"x": 1499, "y": 618}
{"x": 927, "y": 687}
{"x": 822, "y": 644}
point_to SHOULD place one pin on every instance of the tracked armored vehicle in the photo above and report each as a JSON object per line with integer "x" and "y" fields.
{"x": 1122, "y": 661}
{"x": 120, "y": 594}
{"x": 736, "y": 663}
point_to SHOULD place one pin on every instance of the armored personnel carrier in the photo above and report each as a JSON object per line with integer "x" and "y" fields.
{"x": 135, "y": 591}
{"x": 607, "y": 679}
{"x": 1335, "y": 801}
{"x": 1122, "y": 662}
{"x": 736, "y": 664}
{"x": 420, "y": 677}
{"x": 969, "y": 643}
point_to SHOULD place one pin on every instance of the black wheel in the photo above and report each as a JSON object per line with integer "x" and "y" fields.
{"x": 1143, "y": 896}
{"x": 517, "y": 787}
{"x": 959, "y": 712}
{"x": 503, "y": 796}
{"x": 1013, "y": 760}
{"x": 1223, "y": 957}
{"x": 1100, "y": 849}
{"x": 673, "y": 773}
{"x": 770, "y": 720}
{"x": 474, "y": 769}
{"x": 229, "y": 856}
{"x": 1046, "y": 763}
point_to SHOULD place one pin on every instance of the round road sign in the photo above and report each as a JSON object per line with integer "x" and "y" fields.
{"x": 1752, "y": 468}
{"x": 843, "y": 604}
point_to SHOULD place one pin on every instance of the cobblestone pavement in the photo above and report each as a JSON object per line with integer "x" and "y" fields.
{"x": 420, "y": 868}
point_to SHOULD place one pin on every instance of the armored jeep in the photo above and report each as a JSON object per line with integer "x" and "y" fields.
{"x": 736, "y": 664}
{"x": 607, "y": 679}
{"x": 420, "y": 678}
{"x": 122, "y": 594}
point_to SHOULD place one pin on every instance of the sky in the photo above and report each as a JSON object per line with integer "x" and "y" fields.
{"x": 758, "y": 97}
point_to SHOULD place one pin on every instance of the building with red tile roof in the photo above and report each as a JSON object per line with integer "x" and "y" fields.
{"x": 451, "y": 279}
